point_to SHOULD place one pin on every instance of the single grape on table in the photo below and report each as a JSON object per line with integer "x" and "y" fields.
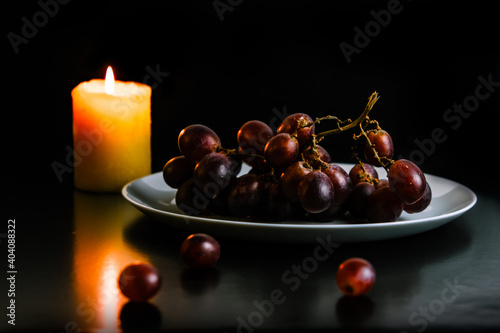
{"x": 200, "y": 250}
{"x": 139, "y": 281}
{"x": 355, "y": 277}
{"x": 292, "y": 176}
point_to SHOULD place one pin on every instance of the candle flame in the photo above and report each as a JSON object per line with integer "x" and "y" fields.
{"x": 109, "y": 82}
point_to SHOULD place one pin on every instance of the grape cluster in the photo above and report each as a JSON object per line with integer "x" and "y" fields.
{"x": 292, "y": 176}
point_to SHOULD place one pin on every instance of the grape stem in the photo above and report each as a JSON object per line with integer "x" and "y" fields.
{"x": 316, "y": 138}
{"x": 369, "y": 178}
{"x": 352, "y": 124}
{"x": 235, "y": 152}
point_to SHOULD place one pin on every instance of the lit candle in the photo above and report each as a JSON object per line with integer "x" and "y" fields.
{"x": 111, "y": 133}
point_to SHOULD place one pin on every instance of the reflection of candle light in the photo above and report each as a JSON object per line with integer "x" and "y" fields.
{"x": 108, "y": 292}
{"x": 100, "y": 255}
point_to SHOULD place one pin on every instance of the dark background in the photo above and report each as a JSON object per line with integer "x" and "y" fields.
{"x": 263, "y": 55}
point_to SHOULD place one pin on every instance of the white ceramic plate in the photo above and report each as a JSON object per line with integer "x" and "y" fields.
{"x": 154, "y": 198}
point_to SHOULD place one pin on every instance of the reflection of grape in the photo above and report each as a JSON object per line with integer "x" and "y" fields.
{"x": 139, "y": 317}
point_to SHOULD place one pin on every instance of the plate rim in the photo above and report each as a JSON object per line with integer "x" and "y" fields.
{"x": 305, "y": 225}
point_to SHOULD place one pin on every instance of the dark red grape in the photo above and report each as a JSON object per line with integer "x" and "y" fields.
{"x": 139, "y": 281}
{"x": 196, "y": 141}
{"x": 291, "y": 123}
{"x": 200, "y": 250}
{"x": 407, "y": 181}
{"x": 383, "y": 206}
{"x": 342, "y": 187}
{"x": 328, "y": 215}
{"x": 289, "y": 181}
{"x": 315, "y": 192}
{"x": 190, "y": 199}
{"x": 382, "y": 183}
{"x": 278, "y": 207}
{"x": 312, "y": 158}
{"x": 357, "y": 174}
{"x": 218, "y": 205}
{"x": 281, "y": 150}
{"x": 342, "y": 184}
{"x": 421, "y": 203}
{"x": 215, "y": 172}
{"x": 252, "y": 159}
{"x": 383, "y": 145}
{"x": 177, "y": 170}
{"x": 358, "y": 201}
{"x": 355, "y": 277}
{"x": 259, "y": 165}
{"x": 247, "y": 196}
{"x": 253, "y": 137}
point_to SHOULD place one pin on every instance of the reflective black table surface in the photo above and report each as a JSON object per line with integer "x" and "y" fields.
{"x": 70, "y": 247}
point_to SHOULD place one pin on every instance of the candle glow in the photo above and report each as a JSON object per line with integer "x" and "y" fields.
{"x": 111, "y": 133}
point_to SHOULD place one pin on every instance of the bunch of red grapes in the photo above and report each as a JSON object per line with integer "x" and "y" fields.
{"x": 292, "y": 176}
